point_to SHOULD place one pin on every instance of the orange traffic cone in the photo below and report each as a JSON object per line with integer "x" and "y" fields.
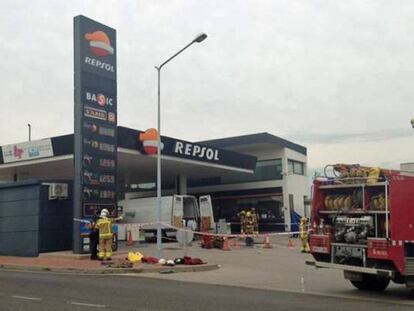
{"x": 266, "y": 242}
{"x": 130, "y": 241}
{"x": 290, "y": 244}
{"x": 226, "y": 244}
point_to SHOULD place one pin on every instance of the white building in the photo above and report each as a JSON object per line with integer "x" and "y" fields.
{"x": 277, "y": 189}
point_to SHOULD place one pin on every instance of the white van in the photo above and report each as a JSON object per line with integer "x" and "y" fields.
{"x": 176, "y": 211}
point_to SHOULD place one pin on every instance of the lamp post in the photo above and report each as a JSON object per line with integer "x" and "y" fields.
{"x": 198, "y": 39}
{"x": 30, "y": 131}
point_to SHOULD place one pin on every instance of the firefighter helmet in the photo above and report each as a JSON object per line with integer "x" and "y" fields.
{"x": 104, "y": 213}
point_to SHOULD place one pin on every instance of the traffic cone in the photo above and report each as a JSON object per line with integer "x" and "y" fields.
{"x": 130, "y": 242}
{"x": 226, "y": 244}
{"x": 266, "y": 242}
{"x": 290, "y": 244}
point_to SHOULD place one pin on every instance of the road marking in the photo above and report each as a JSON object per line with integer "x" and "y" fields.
{"x": 86, "y": 304}
{"x": 26, "y": 298}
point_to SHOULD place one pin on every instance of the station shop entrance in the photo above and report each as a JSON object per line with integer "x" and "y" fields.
{"x": 268, "y": 204}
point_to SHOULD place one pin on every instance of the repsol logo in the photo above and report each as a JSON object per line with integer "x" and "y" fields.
{"x": 197, "y": 151}
{"x": 99, "y": 64}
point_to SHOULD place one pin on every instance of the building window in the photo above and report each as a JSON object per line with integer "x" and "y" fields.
{"x": 296, "y": 167}
{"x": 265, "y": 170}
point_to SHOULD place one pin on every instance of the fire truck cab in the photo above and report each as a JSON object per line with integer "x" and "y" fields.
{"x": 363, "y": 223}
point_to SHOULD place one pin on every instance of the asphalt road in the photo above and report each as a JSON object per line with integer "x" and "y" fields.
{"x": 45, "y": 291}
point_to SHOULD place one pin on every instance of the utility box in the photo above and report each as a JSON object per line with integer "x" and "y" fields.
{"x": 30, "y": 223}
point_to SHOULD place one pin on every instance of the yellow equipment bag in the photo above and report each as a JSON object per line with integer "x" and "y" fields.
{"x": 135, "y": 257}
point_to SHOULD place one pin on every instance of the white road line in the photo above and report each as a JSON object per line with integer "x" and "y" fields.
{"x": 86, "y": 304}
{"x": 26, "y": 298}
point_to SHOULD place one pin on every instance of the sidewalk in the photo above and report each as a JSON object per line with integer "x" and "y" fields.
{"x": 67, "y": 262}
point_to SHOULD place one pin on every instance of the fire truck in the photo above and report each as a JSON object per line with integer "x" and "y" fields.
{"x": 363, "y": 223}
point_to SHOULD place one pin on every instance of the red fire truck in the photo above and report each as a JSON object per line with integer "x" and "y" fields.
{"x": 363, "y": 224}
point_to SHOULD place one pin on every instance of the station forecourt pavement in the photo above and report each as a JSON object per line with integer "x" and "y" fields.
{"x": 280, "y": 268}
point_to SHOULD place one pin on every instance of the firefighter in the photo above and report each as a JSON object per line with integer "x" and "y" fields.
{"x": 248, "y": 221}
{"x": 104, "y": 225}
{"x": 255, "y": 221}
{"x": 303, "y": 228}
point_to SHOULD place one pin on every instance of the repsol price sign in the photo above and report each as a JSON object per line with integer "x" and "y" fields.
{"x": 95, "y": 120}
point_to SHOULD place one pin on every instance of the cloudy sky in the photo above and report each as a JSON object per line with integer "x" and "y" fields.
{"x": 334, "y": 76}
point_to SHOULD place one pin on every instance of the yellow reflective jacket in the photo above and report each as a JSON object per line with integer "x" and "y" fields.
{"x": 105, "y": 228}
{"x": 303, "y": 230}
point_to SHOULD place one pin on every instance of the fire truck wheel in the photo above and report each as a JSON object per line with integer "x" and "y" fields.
{"x": 372, "y": 282}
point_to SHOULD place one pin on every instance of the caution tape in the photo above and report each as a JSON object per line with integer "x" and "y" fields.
{"x": 265, "y": 223}
{"x": 140, "y": 224}
{"x": 82, "y": 220}
{"x": 231, "y": 235}
{"x": 224, "y": 235}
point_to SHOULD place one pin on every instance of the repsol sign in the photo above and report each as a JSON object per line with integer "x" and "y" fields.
{"x": 196, "y": 151}
{"x": 99, "y": 64}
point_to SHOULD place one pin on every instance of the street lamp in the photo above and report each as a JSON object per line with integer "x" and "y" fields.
{"x": 30, "y": 131}
{"x": 197, "y": 39}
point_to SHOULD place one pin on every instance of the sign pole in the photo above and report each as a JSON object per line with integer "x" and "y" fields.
{"x": 95, "y": 140}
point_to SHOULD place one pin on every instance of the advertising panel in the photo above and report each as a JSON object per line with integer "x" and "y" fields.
{"x": 27, "y": 151}
{"x": 95, "y": 119}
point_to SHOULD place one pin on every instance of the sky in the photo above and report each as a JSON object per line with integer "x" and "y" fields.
{"x": 333, "y": 76}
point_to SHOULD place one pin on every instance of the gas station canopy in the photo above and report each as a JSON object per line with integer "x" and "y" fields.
{"x": 52, "y": 159}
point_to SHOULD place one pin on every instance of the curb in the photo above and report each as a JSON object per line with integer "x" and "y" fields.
{"x": 102, "y": 271}
{"x": 77, "y": 256}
